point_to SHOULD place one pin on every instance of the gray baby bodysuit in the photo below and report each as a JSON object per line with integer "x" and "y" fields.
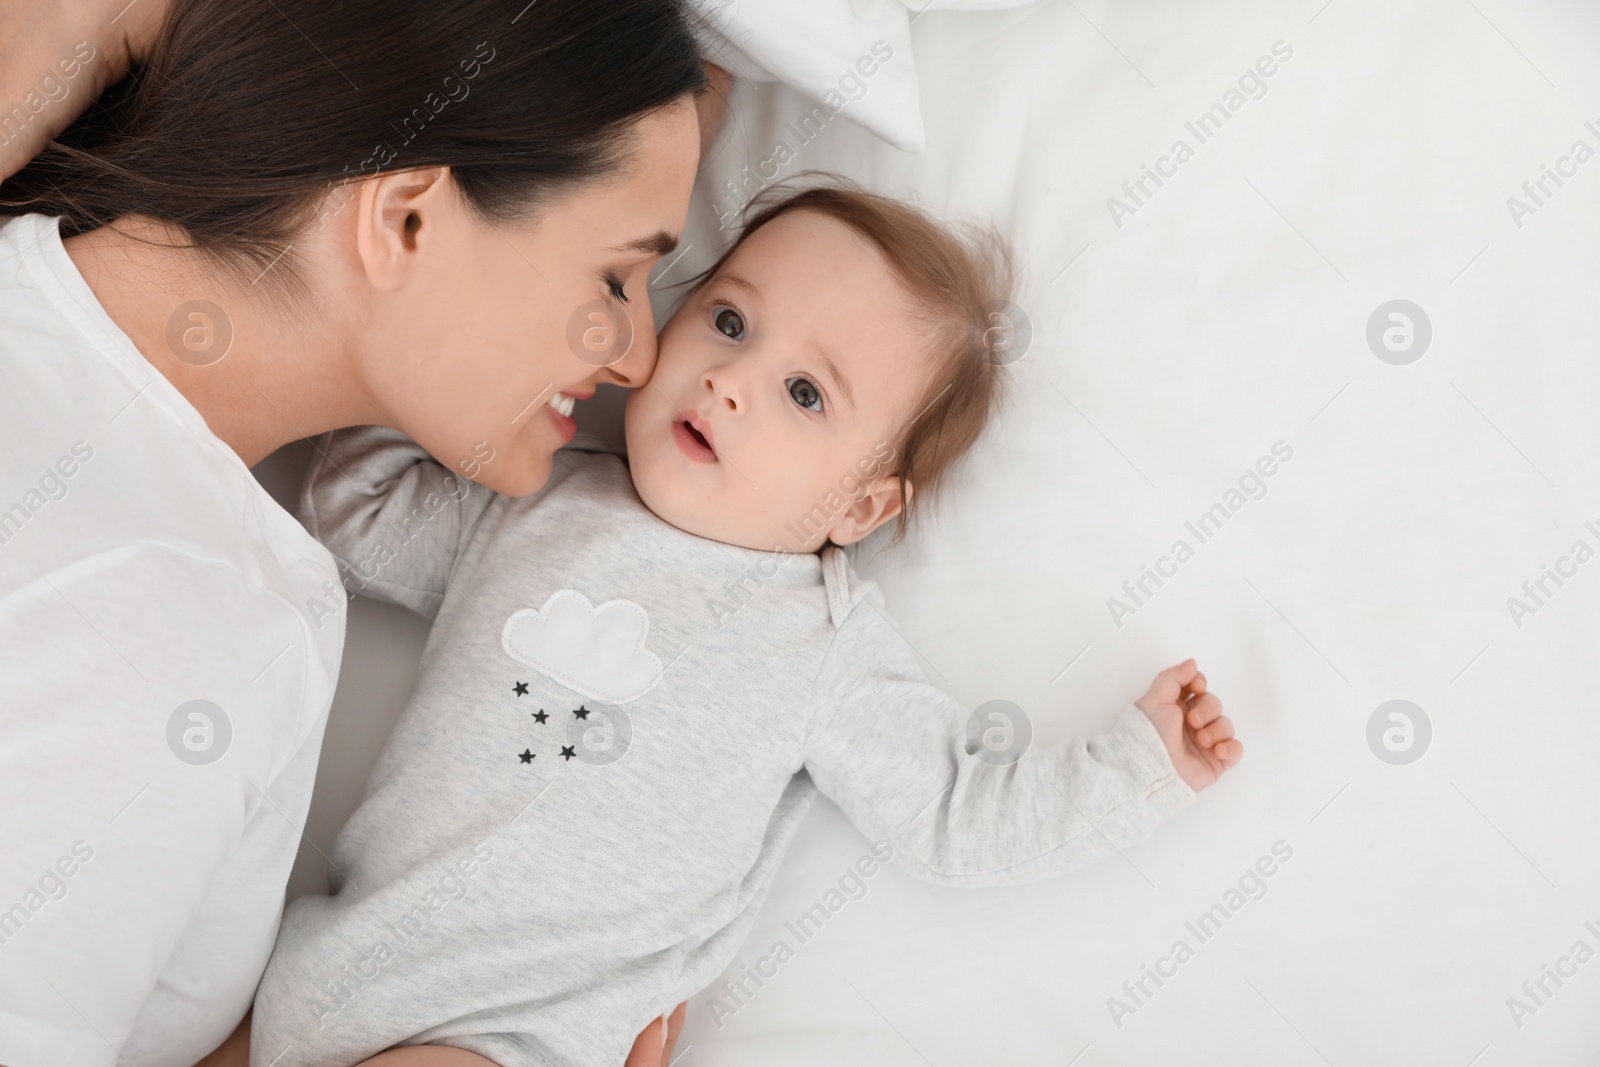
{"x": 616, "y": 729}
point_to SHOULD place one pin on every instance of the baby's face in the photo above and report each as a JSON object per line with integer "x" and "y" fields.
{"x": 780, "y": 391}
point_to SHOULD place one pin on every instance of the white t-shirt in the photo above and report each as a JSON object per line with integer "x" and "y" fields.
{"x": 145, "y": 838}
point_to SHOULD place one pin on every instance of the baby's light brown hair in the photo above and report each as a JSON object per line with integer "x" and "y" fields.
{"x": 958, "y": 277}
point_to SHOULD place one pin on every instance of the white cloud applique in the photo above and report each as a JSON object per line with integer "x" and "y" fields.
{"x": 596, "y": 651}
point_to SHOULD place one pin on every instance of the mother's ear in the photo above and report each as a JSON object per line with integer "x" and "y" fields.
{"x": 881, "y": 502}
{"x": 397, "y": 215}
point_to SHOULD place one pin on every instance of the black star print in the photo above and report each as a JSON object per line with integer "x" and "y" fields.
{"x": 521, "y": 689}
{"x": 582, "y": 712}
{"x": 526, "y": 757}
{"x": 539, "y": 716}
{"x": 567, "y": 752}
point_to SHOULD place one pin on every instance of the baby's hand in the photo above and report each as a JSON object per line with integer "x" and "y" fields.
{"x": 1199, "y": 738}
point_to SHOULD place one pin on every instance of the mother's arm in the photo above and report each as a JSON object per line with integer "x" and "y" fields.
{"x": 59, "y": 55}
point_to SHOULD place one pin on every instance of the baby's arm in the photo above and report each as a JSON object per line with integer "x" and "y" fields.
{"x": 393, "y": 515}
{"x": 893, "y": 752}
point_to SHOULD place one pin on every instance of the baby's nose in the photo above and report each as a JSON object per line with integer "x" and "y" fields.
{"x": 722, "y": 389}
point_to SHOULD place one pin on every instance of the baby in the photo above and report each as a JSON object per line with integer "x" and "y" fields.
{"x": 640, "y": 676}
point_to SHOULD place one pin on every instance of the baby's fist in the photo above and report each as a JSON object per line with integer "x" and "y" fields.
{"x": 1199, "y": 738}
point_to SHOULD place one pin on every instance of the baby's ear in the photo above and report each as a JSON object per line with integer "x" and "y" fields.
{"x": 881, "y": 502}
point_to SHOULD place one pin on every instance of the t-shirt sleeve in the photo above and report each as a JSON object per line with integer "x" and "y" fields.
{"x": 395, "y": 517}
{"x": 151, "y": 702}
{"x": 893, "y": 752}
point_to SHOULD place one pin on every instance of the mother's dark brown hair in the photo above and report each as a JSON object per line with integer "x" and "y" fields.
{"x": 249, "y": 113}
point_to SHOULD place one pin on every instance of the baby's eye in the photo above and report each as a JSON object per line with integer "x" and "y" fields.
{"x": 729, "y": 323}
{"x": 805, "y": 393}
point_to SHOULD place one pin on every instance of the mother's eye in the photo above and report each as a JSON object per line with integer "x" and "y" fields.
{"x": 729, "y": 323}
{"x": 805, "y": 393}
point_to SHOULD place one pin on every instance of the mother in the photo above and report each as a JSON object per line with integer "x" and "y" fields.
{"x": 297, "y": 215}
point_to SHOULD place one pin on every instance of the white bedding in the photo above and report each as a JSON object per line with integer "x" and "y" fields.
{"x": 1227, "y": 313}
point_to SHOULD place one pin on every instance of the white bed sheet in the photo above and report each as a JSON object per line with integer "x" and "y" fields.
{"x": 1227, "y": 313}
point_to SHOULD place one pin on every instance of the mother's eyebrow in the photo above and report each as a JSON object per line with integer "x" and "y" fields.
{"x": 659, "y": 243}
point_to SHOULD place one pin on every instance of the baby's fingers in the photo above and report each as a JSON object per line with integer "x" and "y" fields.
{"x": 1229, "y": 752}
{"x": 1169, "y": 684}
{"x": 1203, "y": 710}
{"x": 1219, "y": 729}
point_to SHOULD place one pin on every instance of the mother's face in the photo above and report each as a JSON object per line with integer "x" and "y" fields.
{"x": 470, "y": 328}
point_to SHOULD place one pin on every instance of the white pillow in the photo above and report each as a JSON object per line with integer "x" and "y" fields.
{"x": 851, "y": 56}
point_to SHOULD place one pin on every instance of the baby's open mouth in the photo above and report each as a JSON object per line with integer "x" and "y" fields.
{"x": 693, "y": 442}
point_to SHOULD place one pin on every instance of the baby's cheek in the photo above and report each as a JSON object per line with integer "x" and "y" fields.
{"x": 795, "y": 514}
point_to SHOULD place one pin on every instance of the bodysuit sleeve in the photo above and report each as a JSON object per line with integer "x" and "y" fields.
{"x": 894, "y": 752}
{"x": 393, "y": 515}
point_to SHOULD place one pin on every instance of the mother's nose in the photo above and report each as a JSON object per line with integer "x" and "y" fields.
{"x": 639, "y": 360}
